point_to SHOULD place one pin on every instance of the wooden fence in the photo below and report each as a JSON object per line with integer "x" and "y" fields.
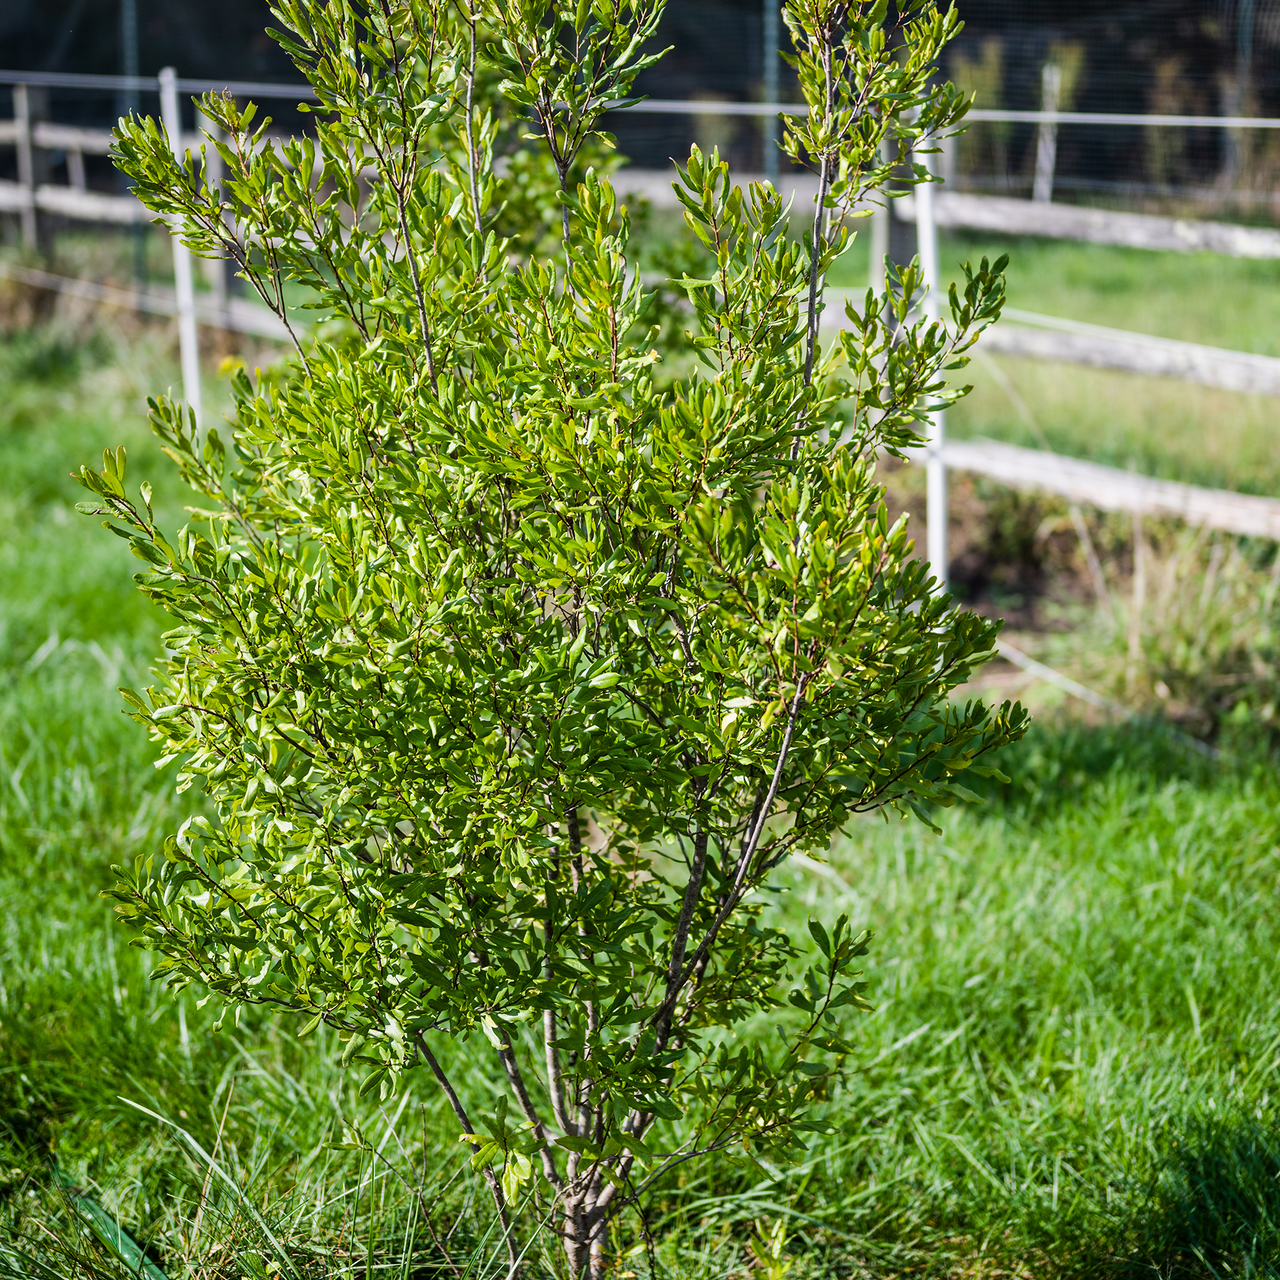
{"x": 72, "y": 200}
{"x": 1028, "y": 334}
{"x": 1096, "y": 226}
{"x": 1111, "y": 489}
{"x": 236, "y": 315}
{"x": 1021, "y": 334}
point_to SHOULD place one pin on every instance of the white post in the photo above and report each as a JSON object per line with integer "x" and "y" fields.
{"x": 1047, "y": 142}
{"x": 878, "y": 233}
{"x": 188, "y": 336}
{"x": 935, "y": 468}
{"x": 878, "y": 238}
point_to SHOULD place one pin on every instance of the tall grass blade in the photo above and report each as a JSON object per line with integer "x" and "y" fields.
{"x": 282, "y": 1255}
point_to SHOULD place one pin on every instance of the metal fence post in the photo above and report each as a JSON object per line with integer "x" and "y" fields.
{"x": 217, "y": 271}
{"x": 188, "y": 335}
{"x": 935, "y": 468}
{"x": 878, "y": 241}
{"x": 129, "y": 104}
{"x": 769, "y": 124}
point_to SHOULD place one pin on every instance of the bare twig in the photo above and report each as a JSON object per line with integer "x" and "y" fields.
{"x": 208, "y": 1173}
{"x": 679, "y": 942}
{"x": 495, "y": 1187}
{"x": 515, "y": 1078}
{"x": 471, "y": 140}
{"x": 663, "y": 1014}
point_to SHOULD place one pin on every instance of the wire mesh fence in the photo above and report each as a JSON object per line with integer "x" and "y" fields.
{"x": 1201, "y": 58}
{"x": 1209, "y": 58}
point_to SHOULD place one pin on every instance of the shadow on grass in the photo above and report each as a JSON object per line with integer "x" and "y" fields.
{"x": 1212, "y": 1211}
{"x": 1061, "y": 757}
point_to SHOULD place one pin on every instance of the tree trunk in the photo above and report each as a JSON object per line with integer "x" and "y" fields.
{"x": 576, "y": 1249}
{"x": 583, "y": 1239}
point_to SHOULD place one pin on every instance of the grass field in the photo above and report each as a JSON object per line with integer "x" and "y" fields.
{"x": 1160, "y": 426}
{"x": 1073, "y": 1069}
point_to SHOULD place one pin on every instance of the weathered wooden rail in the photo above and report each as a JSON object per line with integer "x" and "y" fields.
{"x": 1110, "y": 489}
{"x": 30, "y": 135}
{"x": 236, "y": 315}
{"x": 1028, "y": 334}
{"x": 1024, "y": 333}
{"x": 1096, "y": 226}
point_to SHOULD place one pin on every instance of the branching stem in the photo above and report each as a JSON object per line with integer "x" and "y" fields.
{"x": 495, "y": 1187}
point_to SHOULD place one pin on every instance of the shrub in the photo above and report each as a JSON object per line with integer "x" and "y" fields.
{"x": 509, "y": 673}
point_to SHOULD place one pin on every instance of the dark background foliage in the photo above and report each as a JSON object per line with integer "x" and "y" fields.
{"x": 1179, "y": 55}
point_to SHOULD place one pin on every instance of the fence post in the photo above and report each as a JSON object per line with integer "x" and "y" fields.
{"x": 1047, "y": 142}
{"x": 878, "y": 243}
{"x": 188, "y": 336}
{"x": 129, "y": 104}
{"x": 26, "y": 162}
{"x": 935, "y": 468}
{"x": 1139, "y": 602}
{"x": 75, "y": 168}
{"x": 769, "y": 123}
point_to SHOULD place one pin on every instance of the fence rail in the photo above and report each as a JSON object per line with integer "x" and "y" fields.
{"x": 75, "y": 203}
{"x": 150, "y": 84}
{"x": 1097, "y": 226}
{"x": 1075, "y": 342}
{"x": 235, "y": 315}
{"x": 66, "y": 137}
{"x": 664, "y": 106}
{"x": 1110, "y": 489}
{"x": 1030, "y": 334}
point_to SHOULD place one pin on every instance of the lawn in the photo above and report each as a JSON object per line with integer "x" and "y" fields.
{"x": 1073, "y": 1069}
{"x": 1160, "y": 426}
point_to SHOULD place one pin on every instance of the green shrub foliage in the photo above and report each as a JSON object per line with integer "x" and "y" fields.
{"x": 511, "y": 668}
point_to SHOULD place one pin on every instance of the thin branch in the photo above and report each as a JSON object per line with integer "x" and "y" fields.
{"x": 819, "y": 218}
{"x": 417, "y": 287}
{"x": 471, "y": 140}
{"x": 217, "y": 1146}
{"x": 416, "y": 1192}
{"x": 680, "y": 941}
{"x": 515, "y": 1078}
{"x": 404, "y": 174}
{"x": 495, "y": 1187}
{"x": 663, "y": 1014}
{"x": 555, "y": 1075}
{"x": 819, "y": 236}
{"x": 586, "y": 1112}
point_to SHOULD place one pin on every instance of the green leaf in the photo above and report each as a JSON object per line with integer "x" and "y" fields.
{"x": 500, "y": 477}
{"x": 819, "y": 935}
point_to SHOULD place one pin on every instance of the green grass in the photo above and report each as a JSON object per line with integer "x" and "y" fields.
{"x": 1194, "y": 297}
{"x": 1159, "y": 426}
{"x": 1072, "y": 1071}
{"x": 1079, "y": 1019}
